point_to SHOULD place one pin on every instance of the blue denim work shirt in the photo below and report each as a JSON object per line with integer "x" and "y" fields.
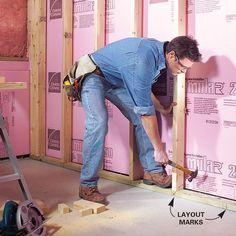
{"x": 133, "y": 63}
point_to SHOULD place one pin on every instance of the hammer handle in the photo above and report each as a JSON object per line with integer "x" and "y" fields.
{"x": 185, "y": 170}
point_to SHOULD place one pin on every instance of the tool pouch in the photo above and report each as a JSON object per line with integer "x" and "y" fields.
{"x": 73, "y": 81}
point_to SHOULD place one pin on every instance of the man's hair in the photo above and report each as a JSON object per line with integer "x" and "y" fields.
{"x": 184, "y": 47}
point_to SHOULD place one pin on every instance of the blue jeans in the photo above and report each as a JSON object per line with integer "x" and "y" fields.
{"x": 94, "y": 92}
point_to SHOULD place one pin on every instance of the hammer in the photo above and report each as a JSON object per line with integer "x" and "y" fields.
{"x": 193, "y": 174}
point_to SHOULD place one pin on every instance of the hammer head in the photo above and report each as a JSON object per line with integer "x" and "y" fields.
{"x": 193, "y": 175}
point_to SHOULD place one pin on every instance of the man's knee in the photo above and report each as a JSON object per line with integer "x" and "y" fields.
{"x": 98, "y": 124}
{"x": 102, "y": 124}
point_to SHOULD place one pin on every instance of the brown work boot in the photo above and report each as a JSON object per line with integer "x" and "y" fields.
{"x": 160, "y": 179}
{"x": 91, "y": 194}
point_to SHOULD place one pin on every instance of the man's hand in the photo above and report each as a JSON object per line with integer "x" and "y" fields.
{"x": 168, "y": 110}
{"x": 161, "y": 156}
{"x": 159, "y": 107}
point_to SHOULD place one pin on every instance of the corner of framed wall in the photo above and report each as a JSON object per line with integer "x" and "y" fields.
{"x": 179, "y": 109}
{"x": 37, "y": 57}
{"x": 135, "y": 168}
{"x": 66, "y": 134}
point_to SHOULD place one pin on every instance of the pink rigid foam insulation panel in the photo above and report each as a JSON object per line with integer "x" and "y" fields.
{"x": 14, "y": 106}
{"x": 159, "y": 23}
{"x": 54, "y": 66}
{"x": 158, "y": 19}
{"x": 83, "y": 42}
{"x": 118, "y": 26}
{"x": 211, "y": 99}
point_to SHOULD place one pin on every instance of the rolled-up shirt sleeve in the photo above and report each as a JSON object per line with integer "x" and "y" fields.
{"x": 148, "y": 111}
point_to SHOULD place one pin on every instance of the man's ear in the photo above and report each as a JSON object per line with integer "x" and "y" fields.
{"x": 170, "y": 56}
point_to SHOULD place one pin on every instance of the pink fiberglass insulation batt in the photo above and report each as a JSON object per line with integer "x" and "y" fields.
{"x": 13, "y": 28}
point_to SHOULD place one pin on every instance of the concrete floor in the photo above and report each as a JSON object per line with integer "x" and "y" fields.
{"x": 131, "y": 211}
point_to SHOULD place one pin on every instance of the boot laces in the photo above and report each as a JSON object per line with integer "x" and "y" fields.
{"x": 93, "y": 190}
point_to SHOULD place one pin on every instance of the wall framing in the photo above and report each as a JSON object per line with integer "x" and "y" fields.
{"x": 179, "y": 109}
{"x": 37, "y": 57}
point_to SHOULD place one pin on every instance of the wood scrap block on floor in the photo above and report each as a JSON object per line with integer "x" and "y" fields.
{"x": 85, "y": 211}
{"x": 63, "y": 208}
{"x": 97, "y": 207}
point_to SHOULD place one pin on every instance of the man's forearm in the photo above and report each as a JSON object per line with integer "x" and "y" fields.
{"x": 151, "y": 127}
{"x": 158, "y": 106}
{"x": 157, "y": 103}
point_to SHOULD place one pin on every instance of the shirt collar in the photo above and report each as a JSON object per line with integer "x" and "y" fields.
{"x": 162, "y": 58}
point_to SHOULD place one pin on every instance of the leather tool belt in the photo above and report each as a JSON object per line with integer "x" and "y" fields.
{"x": 73, "y": 81}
